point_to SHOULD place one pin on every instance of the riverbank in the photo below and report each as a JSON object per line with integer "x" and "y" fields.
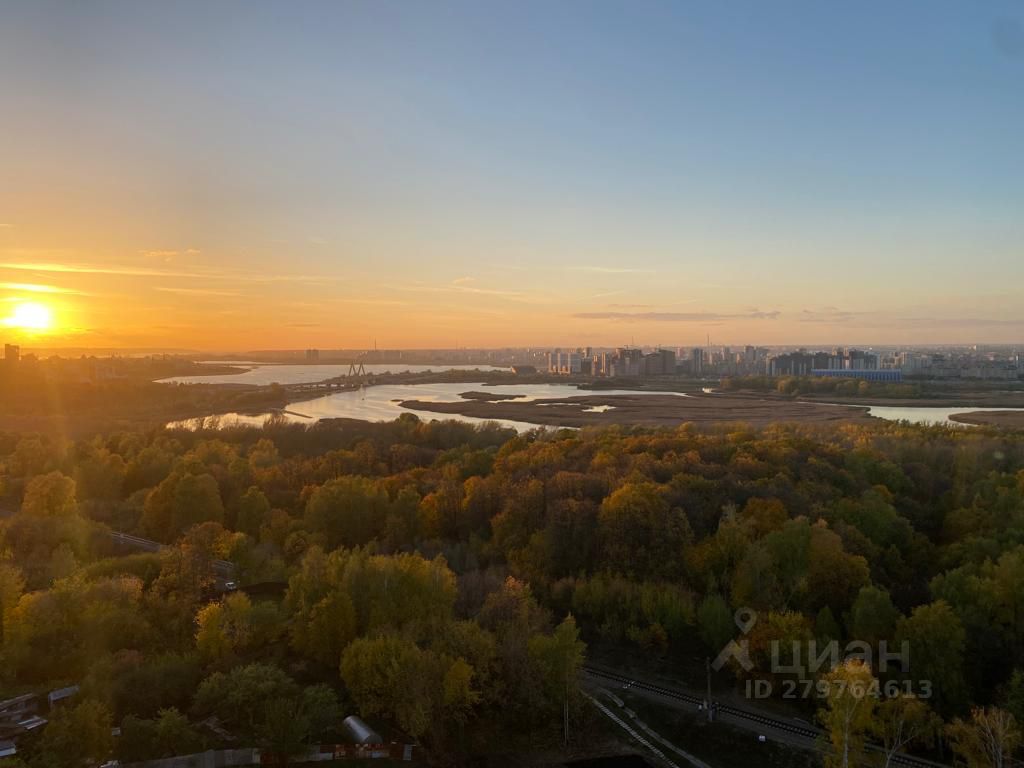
{"x": 965, "y": 398}
{"x": 1004, "y": 419}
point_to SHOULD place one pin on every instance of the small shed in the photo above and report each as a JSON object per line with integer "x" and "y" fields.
{"x": 359, "y": 732}
{"x": 61, "y": 695}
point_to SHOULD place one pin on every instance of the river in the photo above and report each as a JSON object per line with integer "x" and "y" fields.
{"x": 262, "y": 374}
{"x": 381, "y": 402}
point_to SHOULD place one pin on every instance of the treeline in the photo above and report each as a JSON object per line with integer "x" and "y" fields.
{"x": 45, "y": 399}
{"x": 369, "y": 623}
{"x": 821, "y": 385}
{"x": 436, "y": 572}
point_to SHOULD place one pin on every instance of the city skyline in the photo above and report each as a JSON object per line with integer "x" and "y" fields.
{"x": 189, "y": 176}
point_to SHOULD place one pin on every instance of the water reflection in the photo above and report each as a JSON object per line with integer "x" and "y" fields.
{"x": 381, "y": 403}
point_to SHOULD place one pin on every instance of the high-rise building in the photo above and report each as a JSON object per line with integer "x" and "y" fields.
{"x": 12, "y": 353}
{"x": 661, "y": 362}
{"x": 697, "y": 361}
{"x": 312, "y": 355}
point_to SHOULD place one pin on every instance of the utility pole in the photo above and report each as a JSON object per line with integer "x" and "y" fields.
{"x": 707, "y": 667}
{"x": 565, "y": 711}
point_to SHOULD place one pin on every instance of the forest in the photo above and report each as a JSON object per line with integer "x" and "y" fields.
{"x": 448, "y": 581}
{"x": 825, "y": 385}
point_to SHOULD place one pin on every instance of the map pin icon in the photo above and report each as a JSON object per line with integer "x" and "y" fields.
{"x": 745, "y": 619}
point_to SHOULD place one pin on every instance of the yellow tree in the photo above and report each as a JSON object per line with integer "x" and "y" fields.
{"x": 12, "y": 585}
{"x": 224, "y": 629}
{"x": 847, "y": 714}
{"x": 903, "y": 720}
{"x": 987, "y": 740}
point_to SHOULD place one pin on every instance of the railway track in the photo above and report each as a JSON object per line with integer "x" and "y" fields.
{"x": 778, "y": 724}
{"x": 221, "y": 567}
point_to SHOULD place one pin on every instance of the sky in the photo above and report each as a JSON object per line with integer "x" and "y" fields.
{"x": 250, "y": 175}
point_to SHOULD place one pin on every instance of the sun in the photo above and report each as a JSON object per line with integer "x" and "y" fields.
{"x": 30, "y": 316}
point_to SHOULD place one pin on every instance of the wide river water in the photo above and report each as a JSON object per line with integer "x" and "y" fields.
{"x": 261, "y": 374}
{"x": 381, "y": 402}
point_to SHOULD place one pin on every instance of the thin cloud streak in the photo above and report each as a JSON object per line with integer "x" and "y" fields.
{"x": 37, "y": 288}
{"x": 676, "y": 317}
{"x": 836, "y": 316}
{"x": 612, "y": 270}
{"x": 195, "y": 291}
{"x": 467, "y": 289}
{"x": 127, "y": 271}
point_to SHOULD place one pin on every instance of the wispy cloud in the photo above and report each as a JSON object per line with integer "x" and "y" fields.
{"x": 453, "y": 288}
{"x": 611, "y": 270}
{"x": 829, "y": 315}
{"x": 170, "y": 254}
{"x": 37, "y": 288}
{"x": 194, "y": 291}
{"x": 677, "y": 317}
{"x": 957, "y": 322}
{"x": 836, "y": 316}
{"x": 96, "y": 269}
{"x": 377, "y": 302}
{"x": 133, "y": 271}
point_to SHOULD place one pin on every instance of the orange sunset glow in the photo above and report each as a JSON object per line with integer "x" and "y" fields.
{"x": 511, "y": 384}
{"x": 183, "y": 189}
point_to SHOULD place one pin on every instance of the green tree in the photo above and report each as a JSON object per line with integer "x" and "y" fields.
{"x": 77, "y": 734}
{"x": 241, "y": 695}
{"x": 180, "y": 502}
{"x": 322, "y": 709}
{"x": 715, "y": 622}
{"x": 286, "y": 727}
{"x": 51, "y": 495}
{"x": 253, "y": 511}
{"x": 348, "y": 511}
{"x": 388, "y": 675}
{"x": 175, "y": 735}
{"x": 873, "y": 617}
{"x": 12, "y": 585}
{"x": 559, "y": 659}
{"x": 641, "y": 535}
{"x": 935, "y": 639}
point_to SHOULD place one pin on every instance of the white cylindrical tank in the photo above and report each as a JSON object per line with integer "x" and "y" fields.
{"x": 360, "y": 733}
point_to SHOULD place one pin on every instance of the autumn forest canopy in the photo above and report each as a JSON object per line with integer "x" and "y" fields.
{"x": 448, "y": 581}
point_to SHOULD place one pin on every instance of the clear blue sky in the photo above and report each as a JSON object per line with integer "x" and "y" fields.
{"x": 519, "y": 172}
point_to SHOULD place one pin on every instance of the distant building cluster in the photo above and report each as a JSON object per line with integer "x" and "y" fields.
{"x": 879, "y": 365}
{"x": 840, "y": 361}
{"x": 621, "y": 362}
{"x": 896, "y": 365}
{"x": 633, "y": 362}
{"x": 958, "y": 363}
